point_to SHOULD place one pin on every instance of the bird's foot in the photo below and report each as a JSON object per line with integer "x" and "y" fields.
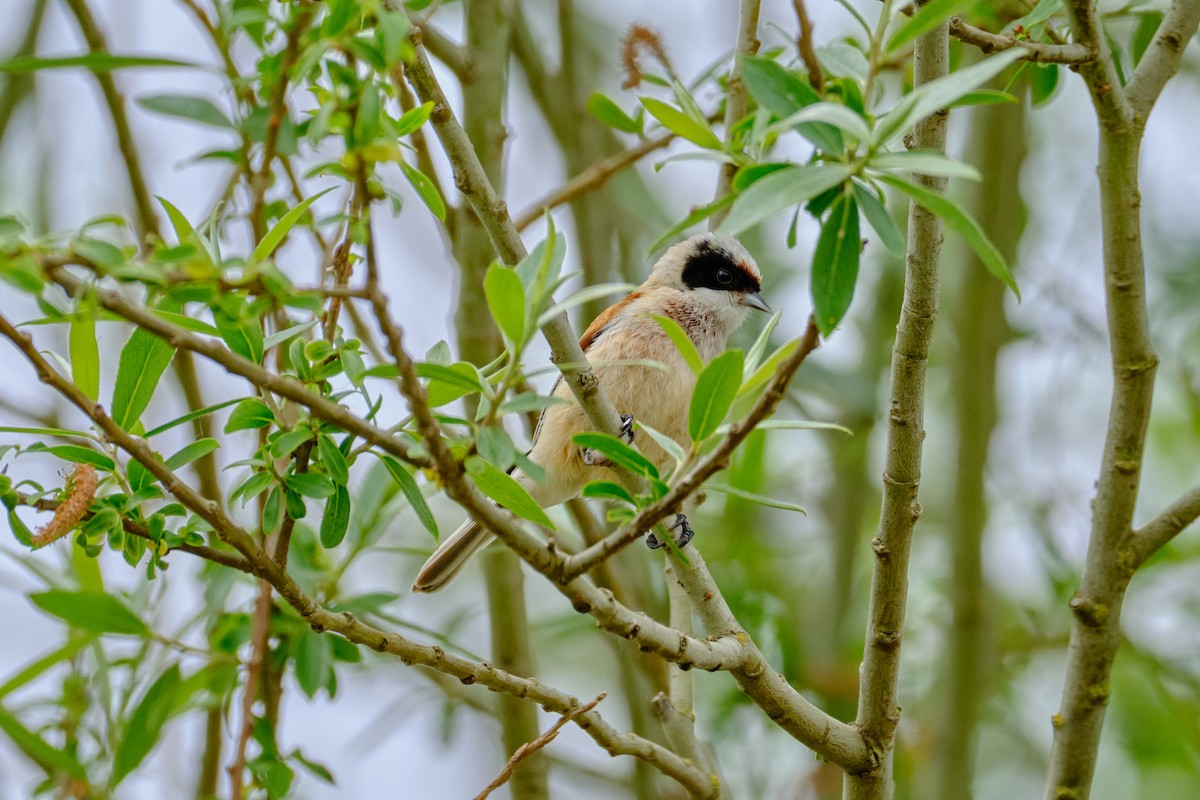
{"x": 595, "y": 459}
{"x": 685, "y": 534}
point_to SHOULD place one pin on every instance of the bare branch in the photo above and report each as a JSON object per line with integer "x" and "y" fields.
{"x": 591, "y": 178}
{"x": 529, "y": 748}
{"x": 1034, "y": 51}
{"x": 736, "y": 95}
{"x": 1169, "y": 523}
{"x": 808, "y": 52}
{"x": 1161, "y": 58}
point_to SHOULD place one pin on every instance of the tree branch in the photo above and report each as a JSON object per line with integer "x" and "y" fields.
{"x": 736, "y": 96}
{"x": 878, "y": 709}
{"x": 346, "y": 624}
{"x": 1161, "y": 58}
{"x": 1169, "y": 523}
{"x": 808, "y": 53}
{"x": 1040, "y": 52}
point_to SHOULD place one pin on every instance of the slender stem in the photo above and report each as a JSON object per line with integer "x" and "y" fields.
{"x": 878, "y": 709}
{"x": 260, "y": 632}
{"x": 147, "y": 219}
{"x": 19, "y": 86}
{"x": 736, "y": 97}
{"x": 1166, "y": 525}
{"x": 1040, "y": 52}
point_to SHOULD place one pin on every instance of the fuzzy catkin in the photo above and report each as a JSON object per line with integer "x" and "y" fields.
{"x": 81, "y": 488}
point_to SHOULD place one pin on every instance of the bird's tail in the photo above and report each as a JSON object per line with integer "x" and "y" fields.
{"x": 451, "y": 556}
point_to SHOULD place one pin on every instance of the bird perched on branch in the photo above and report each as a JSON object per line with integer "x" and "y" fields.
{"x": 707, "y": 285}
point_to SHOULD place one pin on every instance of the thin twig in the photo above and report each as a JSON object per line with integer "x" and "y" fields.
{"x": 260, "y": 634}
{"x": 528, "y": 749}
{"x": 808, "y": 52}
{"x": 1166, "y": 525}
{"x": 1040, "y": 52}
{"x": 737, "y": 97}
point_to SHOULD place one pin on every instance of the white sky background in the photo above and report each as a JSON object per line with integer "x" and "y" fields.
{"x": 71, "y": 148}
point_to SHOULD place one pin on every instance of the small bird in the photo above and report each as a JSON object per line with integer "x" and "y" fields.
{"x": 707, "y": 285}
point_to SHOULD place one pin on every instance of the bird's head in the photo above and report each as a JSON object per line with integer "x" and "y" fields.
{"x": 715, "y": 272}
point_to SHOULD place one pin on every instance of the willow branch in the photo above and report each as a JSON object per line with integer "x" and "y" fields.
{"x": 1169, "y": 523}
{"x": 591, "y": 179}
{"x": 146, "y": 217}
{"x": 736, "y": 95}
{"x": 454, "y": 56}
{"x": 19, "y": 85}
{"x": 346, "y": 624}
{"x": 1161, "y": 58}
{"x": 808, "y": 52}
{"x": 1040, "y": 52}
{"x": 878, "y": 709}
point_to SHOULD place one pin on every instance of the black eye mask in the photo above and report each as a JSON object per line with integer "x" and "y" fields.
{"x": 713, "y": 268}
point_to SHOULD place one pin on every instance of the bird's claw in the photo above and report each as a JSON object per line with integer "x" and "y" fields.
{"x": 594, "y": 459}
{"x": 685, "y": 535}
{"x": 627, "y": 428}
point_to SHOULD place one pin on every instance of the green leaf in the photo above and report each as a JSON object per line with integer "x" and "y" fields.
{"x": 961, "y": 223}
{"x": 37, "y": 749}
{"x": 275, "y": 236}
{"x": 186, "y": 322}
{"x": 584, "y": 295}
{"x": 1044, "y": 10}
{"x": 85, "y": 352}
{"x": 669, "y": 445}
{"x": 879, "y": 218}
{"x": 191, "y": 415}
{"x": 191, "y": 452}
{"x": 425, "y": 189}
{"x": 611, "y": 114}
{"x": 448, "y": 383}
{"x": 314, "y": 662}
{"x": 414, "y": 118}
{"x": 607, "y": 490}
{"x": 924, "y": 162}
{"x": 145, "y": 724}
{"x": 618, "y": 452}
{"x": 687, "y": 348}
{"x": 242, "y": 335}
{"x": 783, "y": 93}
{"x": 794, "y": 425}
{"x": 91, "y": 611}
{"x": 983, "y": 97}
{"x": 936, "y": 95}
{"x": 506, "y": 491}
{"x": 755, "y": 353}
{"x": 249, "y": 413}
{"x": 495, "y": 447}
{"x": 332, "y": 460}
{"x": 762, "y": 500}
{"x": 287, "y": 333}
{"x": 832, "y": 114}
{"x": 928, "y": 17}
{"x": 20, "y": 530}
{"x": 780, "y": 191}
{"x": 506, "y": 299}
{"x": 44, "y": 431}
{"x": 366, "y": 119}
{"x": 681, "y": 124}
{"x": 197, "y": 109}
{"x": 835, "y": 264}
{"x": 39, "y": 666}
{"x": 336, "y": 518}
{"x": 1043, "y": 80}
{"x": 286, "y": 443}
{"x": 716, "y": 387}
{"x": 96, "y": 62}
{"x": 143, "y": 360}
{"x": 75, "y": 454}
{"x": 408, "y": 485}
{"x": 310, "y": 484}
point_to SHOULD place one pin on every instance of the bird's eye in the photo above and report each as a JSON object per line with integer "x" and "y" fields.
{"x": 724, "y": 277}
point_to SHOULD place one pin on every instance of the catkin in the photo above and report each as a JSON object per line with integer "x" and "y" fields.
{"x": 81, "y": 488}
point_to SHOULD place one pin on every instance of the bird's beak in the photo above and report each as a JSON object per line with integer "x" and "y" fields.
{"x": 754, "y": 300}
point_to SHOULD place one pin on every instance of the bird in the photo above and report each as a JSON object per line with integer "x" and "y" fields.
{"x": 708, "y": 284}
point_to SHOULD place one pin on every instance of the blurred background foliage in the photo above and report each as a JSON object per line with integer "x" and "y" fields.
{"x": 1017, "y": 400}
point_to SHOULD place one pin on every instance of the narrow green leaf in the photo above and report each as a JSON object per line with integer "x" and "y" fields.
{"x": 961, "y": 223}
{"x": 408, "y": 485}
{"x": 716, "y": 387}
{"x": 1044, "y": 10}
{"x": 762, "y": 500}
{"x": 835, "y": 264}
{"x": 242, "y": 335}
{"x": 924, "y": 162}
{"x": 983, "y": 97}
{"x": 187, "y": 323}
{"x": 448, "y": 383}
{"x": 46, "y": 662}
{"x": 146, "y": 724}
{"x": 85, "y": 352}
{"x": 91, "y": 611}
{"x": 143, "y": 360}
{"x": 879, "y": 218}
{"x": 783, "y": 93}
{"x": 680, "y": 123}
{"x": 275, "y": 236}
{"x": 310, "y": 484}
{"x": 669, "y": 445}
{"x": 611, "y": 114}
{"x": 336, "y": 518}
{"x": 506, "y": 491}
{"x": 197, "y": 109}
{"x": 191, "y": 415}
{"x": 928, "y": 17}
{"x": 618, "y": 452}
{"x": 75, "y": 454}
{"x": 332, "y": 460}
{"x": 314, "y": 662}
{"x": 37, "y": 749}
{"x": 683, "y": 342}
{"x": 191, "y": 452}
{"x": 414, "y": 118}
{"x": 425, "y": 189}
{"x": 780, "y": 191}
{"x": 833, "y": 114}
{"x": 607, "y": 490}
{"x": 697, "y": 216}
{"x": 44, "y": 431}
{"x": 250, "y": 413}
{"x": 794, "y": 425}
{"x": 506, "y": 300}
{"x": 584, "y": 295}
{"x": 96, "y": 62}
{"x": 286, "y": 443}
{"x": 282, "y": 336}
